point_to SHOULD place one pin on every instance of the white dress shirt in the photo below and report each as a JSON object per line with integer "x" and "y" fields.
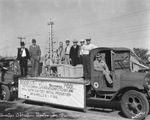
{"x": 81, "y": 49}
{"x": 67, "y": 50}
{"x": 23, "y": 53}
{"x": 88, "y": 48}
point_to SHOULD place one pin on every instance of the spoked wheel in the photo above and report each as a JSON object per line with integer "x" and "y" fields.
{"x": 5, "y": 95}
{"x": 134, "y": 105}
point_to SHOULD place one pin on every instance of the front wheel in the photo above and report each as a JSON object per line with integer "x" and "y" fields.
{"x": 5, "y": 93}
{"x": 134, "y": 105}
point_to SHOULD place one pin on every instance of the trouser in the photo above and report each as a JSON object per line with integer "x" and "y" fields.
{"x": 23, "y": 66}
{"x": 108, "y": 78}
{"x": 74, "y": 60}
{"x": 67, "y": 59}
{"x": 81, "y": 59}
{"x": 86, "y": 67}
{"x": 34, "y": 67}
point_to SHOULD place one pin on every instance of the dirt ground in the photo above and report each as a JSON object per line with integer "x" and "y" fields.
{"x": 25, "y": 110}
{"x": 29, "y": 111}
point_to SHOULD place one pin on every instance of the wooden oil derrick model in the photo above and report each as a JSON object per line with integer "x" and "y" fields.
{"x": 50, "y": 56}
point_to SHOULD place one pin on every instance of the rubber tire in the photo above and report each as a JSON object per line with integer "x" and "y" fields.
{"x": 6, "y": 89}
{"x": 143, "y": 100}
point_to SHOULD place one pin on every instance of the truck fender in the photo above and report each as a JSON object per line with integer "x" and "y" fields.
{"x": 117, "y": 96}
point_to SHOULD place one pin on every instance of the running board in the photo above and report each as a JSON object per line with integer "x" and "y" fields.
{"x": 95, "y": 98}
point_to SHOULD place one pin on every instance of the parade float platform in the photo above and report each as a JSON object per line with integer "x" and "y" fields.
{"x": 68, "y": 89}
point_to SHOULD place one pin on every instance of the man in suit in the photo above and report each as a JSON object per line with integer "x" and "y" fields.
{"x": 74, "y": 53}
{"x": 61, "y": 53}
{"x": 22, "y": 57}
{"x": 67, "y": 52}
{"x": 35, "y": 55}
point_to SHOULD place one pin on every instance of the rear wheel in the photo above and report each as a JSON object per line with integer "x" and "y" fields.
{"x": 134, "y": 105}
{"x": 5, "y": 95}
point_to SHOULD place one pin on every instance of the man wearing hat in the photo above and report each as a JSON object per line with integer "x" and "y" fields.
{"x": 74, "y": 53}
{"x": 22, "y": 57}
{"x": 86, "y": 59}
{"x": 82, "y": 42}
{"x": 67, "y": 52}
{"x": 35, "y": 54}
{"x": 101, "y": 66}
{"x": 61, "y": 53}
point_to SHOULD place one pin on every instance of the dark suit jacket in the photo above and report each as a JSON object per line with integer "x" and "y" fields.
{"x": 20, "y": 53}
{"x": 74, "y": 52}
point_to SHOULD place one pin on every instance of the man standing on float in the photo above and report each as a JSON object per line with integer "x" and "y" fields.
{"x": 86, "y": 59}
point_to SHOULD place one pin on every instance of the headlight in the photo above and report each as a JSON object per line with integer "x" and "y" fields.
{"x": 12, "y": 83}
{"x": 147, "y": 81}
{"x": 13, "y": 89}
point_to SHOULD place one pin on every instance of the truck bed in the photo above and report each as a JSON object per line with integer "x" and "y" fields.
{"x": 58, "y": 79}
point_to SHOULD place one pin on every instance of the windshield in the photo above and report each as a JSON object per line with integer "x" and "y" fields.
{"x": 125, "y": 60}
{"x": 121, "y": 60}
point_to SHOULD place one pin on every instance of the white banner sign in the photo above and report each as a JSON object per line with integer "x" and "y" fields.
{"x": 60, "y": 93}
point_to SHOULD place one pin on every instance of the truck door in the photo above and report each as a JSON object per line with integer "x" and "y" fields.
{"x": 99, "y": 81}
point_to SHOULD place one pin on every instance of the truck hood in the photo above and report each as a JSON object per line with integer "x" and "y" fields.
{"x": 132, "y": 76}
{"x": 132, "y": 79}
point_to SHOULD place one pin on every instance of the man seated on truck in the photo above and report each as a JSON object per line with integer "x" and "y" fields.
{"x": 100, "y": 65}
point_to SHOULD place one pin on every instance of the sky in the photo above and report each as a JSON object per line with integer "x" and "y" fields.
{"x": 109, "y": 23}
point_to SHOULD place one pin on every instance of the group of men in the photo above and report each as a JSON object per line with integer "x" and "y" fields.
{"x": 24, "y": 55}
{"x": 76, "y": 54}
{"x": 79, "y": 54}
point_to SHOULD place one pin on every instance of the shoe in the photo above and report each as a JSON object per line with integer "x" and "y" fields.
{"x": 32, "y": 76}
{"x": 27, "y": 76}
{"x": 111, "y": 85}
{"x": 87, "y": 82}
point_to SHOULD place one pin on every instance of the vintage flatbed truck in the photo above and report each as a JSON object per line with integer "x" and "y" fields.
{"x": 130, "y": 86}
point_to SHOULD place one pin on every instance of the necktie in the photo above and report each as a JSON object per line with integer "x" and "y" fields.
{"x": 65, "y": 49}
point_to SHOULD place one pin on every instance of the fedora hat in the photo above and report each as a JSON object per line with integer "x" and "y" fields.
{"x": 33, "y": 41}
{"x": 99, "y": 55}
{"x": 75, "y": 41}
{"x": 82, "y": 40}
{"x": 22, "y": 44}
{"x": 67, "y": 40}
{"x": 88, "y": 39}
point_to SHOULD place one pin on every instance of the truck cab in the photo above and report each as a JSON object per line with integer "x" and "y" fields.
{"x": 130, "y": 87}
{"x": 120, "y": 61}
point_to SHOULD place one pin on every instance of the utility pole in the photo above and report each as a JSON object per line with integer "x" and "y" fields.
{"x": 21, "y": 38}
